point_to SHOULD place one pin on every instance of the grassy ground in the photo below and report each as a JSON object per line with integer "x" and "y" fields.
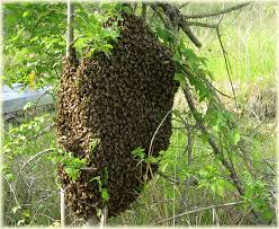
{"x": 250, "y": 41}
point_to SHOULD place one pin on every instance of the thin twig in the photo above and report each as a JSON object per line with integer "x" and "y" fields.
{"x": 184, "y": 5}
{"x": 42, "y": 95}
{"x": 200, "y": 210}
{"x": 156, "y": 132}
{"x": 201, "y": 24}
{"x": 218, "y": 13}
{"x": 170, "y": 179}
{"x": 13, "y": 192}
{"x": 62, "y": 207}
{"x": 189, "y": 144}
{"x": 32, "y": 159}
{"x": 226, "y": 62}
{"x": 216, "y": 89}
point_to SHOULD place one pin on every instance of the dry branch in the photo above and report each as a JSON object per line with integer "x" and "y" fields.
{"x": 218, "y": 13}
{"x": 200, "y": 210}
{"x": 30, "y": 160}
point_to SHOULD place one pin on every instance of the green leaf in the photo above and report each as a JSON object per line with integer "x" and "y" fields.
{"x": 138, "y": 153}
{"x": 236, "y": 138}
{"x": 220, "y": 187}
{"x": 105, "y": 194}
{"x": 26, "y": 213}
{"x": 73, "y": 173}
{"x": 25, "y": 14}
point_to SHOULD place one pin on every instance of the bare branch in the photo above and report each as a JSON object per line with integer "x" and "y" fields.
{"x": 171, "y": 180}
{"x": 201, "y": 24}
{"x": 12, "y": 191}
{"x": 156, "y": 132}
{"x": 226, "y": 62}
{"x": 30, "y": 160}
{"x": 70, "y": 29}
{"x": 224, "y": 11}
{"x": 184, "y": 5}
{"x": 200, "y": 210}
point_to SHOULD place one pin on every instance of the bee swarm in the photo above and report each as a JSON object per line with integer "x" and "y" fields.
{"x": 121, "y": 100}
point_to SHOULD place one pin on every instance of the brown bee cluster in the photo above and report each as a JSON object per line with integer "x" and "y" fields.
{"x": 120, "y": 100}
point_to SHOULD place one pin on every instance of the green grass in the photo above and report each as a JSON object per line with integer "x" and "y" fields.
{"x": 249, "y": 38}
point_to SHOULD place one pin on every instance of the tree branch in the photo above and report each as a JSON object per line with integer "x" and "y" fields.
{"x": 224, "y": 11}
{"x": 201, "y": 24}
{"x": 200, "y": 210}
{"x": 177, "y": 20}
{"x": 216, "y": 149}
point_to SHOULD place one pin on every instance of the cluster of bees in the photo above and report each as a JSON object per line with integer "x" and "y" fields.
{"x": 120, "y": 100}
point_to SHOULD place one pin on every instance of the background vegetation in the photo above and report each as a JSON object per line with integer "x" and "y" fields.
{"x": 193, "y": 187}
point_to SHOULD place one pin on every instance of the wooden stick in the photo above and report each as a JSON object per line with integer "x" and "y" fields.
{"x": 62, "y": 207}
{"x": 70, "y": 29}
{"x": 104, "y": 217}
{"x": 200, "y": 210}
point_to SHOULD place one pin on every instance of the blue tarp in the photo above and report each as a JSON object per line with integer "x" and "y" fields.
{"x": 14, "y": 99}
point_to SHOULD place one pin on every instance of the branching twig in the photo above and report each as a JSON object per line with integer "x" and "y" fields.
{"x": 30, "y": 160}
{"x": 13, "y": 192}
{"x": 177, "y": 20}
